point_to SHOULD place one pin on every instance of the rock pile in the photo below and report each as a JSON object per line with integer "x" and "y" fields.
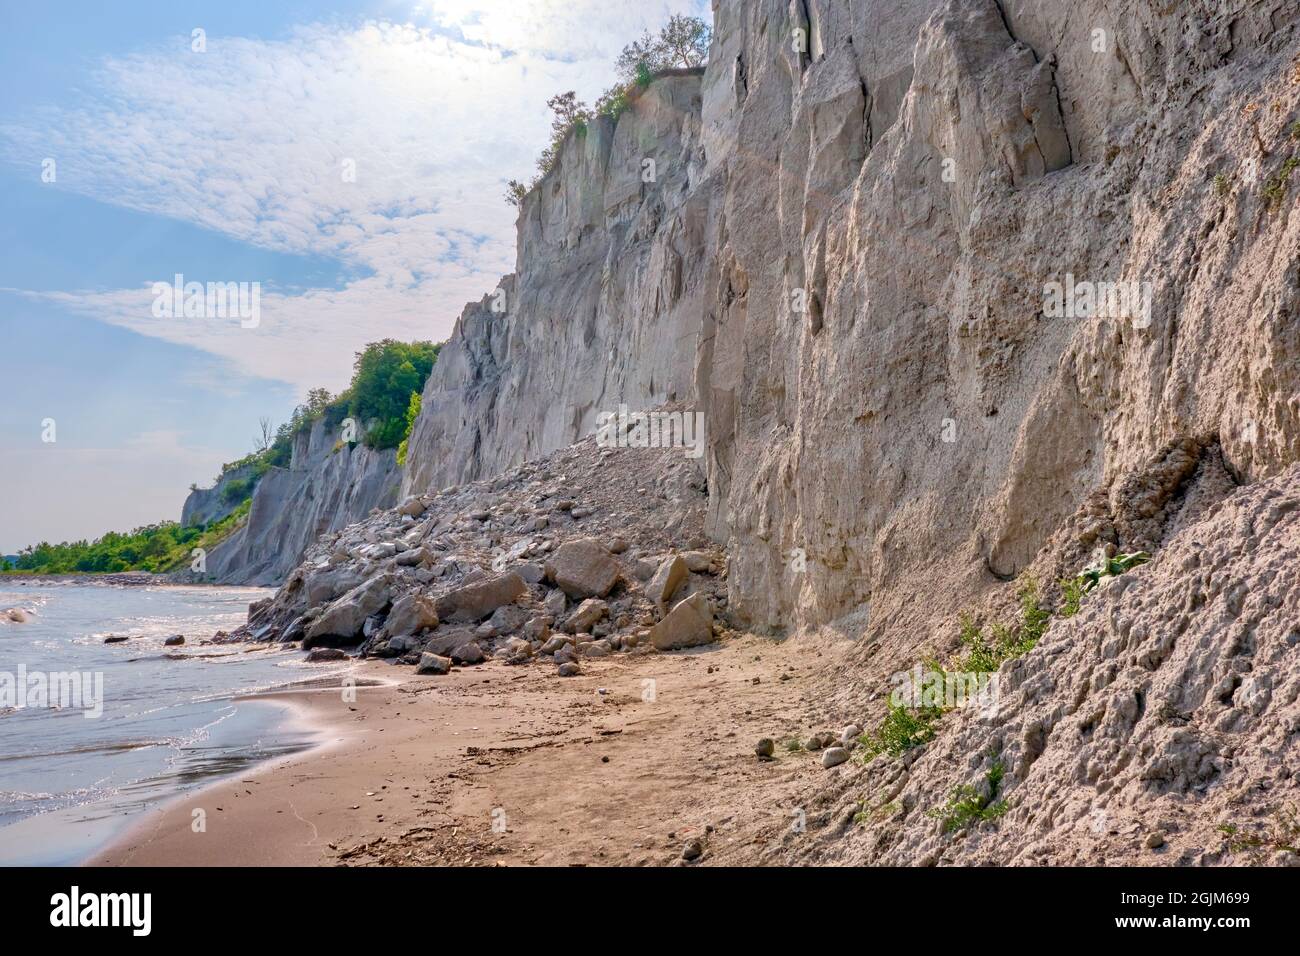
{"x": 583, "y": 554}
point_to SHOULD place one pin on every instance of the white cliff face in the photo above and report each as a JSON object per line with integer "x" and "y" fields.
{"x": 844, "y": 262}
{"x": 925, "y": 419}
{"x": 604, "y": 306}
{"x": 326, "y": 487}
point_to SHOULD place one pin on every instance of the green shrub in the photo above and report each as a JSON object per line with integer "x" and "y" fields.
{"x": 412, "y": 413}
{"x": 236, "y": 490}
{"x": 1071, "y": 597}
{"x": 966, "y": 805}
{"x": 986, "y": 654}
{"x": 903, "y": 729}
{"x": 1276, "y": 187}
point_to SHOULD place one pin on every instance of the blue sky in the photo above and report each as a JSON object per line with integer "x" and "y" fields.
{"x": 349, "y": 157}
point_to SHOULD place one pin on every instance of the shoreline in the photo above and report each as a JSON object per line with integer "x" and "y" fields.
{"x": 512, "y": 765}
{"x": 71, "y": 835}
{"x": 297, "y": 718}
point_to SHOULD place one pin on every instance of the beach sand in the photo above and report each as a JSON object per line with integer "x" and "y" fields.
{"x": 497, "y": 764}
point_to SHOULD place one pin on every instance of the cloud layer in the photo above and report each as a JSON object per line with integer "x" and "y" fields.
{"x": 384, "y": 146}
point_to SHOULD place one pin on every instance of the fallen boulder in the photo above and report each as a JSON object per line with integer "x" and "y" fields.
{"x": 473, "y": 602}
{"x": 668, "y": 578}
{"x": 468, "y": 653}
{"x": 689, "y": 624}
{"x": 588, "y": 613}
{"x": 583, "y": 569}
{"x": 411, "y": 614}
{"x": 433, "y": 664}
{"x": 343, "y": 620}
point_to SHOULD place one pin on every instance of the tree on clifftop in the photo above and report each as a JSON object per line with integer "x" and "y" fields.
{"x": 682, "y": 43}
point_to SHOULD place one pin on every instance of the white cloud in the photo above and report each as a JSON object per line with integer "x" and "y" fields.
{"x": 251, "y": 137}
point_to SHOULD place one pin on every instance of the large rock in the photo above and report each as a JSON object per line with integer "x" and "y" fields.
{"x": 411, "y": 614}
{"x": 433, "y": 664}
{"x": 342, "y": 621}
{"x": 588, "y": 613}
{"x": 473, "y": 602}
{"x": 468, "y": 653}
{"x": 670, "y": 576}
{"x": 689, "y": 624}
{"x": 583, "y": 569}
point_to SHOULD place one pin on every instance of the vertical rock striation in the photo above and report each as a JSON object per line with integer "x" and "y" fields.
{"x": 843, "y": 261}
{"x": 327, "y": 486}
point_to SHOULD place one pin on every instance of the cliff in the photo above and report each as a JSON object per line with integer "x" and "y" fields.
{"x": 604, "y": 306}
{"x": 968, "y": 293}
{"x": 843, "y": 263}
{"x": 327, "y": 486}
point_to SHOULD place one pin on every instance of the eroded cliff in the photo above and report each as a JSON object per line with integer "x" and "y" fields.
{"x": 328, "y": 485}
{"x": 967, "y": 292}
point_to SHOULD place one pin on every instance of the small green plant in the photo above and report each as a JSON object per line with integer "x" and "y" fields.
{"x": 987, "y": 653}
{"x": 793, "y": 745}
{"x": 967, "y": 806}
{"x": 1283, "y": 835}
{"x": 1275, "y": 188}
{"x": 1222, "y": 184}
{"x": 902, "y": 729}
{"x": 1295, "y": 130}
{"x": 1091, "y": 576}
{"x": 1071, "y": 597}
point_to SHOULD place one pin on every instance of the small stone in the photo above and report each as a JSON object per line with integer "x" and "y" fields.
{"x": 834, "y": 756}
{"x": 765, "y": 748}
{"x": 321, "y": 654}
{"x": 174, "y": 641}
{"x": 1156, "y": 840}
{"x": 116, "y": 639}
{"x": 570, "y": 669}
{"x": 693, "y": 850}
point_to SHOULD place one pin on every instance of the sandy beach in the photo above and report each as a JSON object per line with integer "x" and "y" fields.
{"x": 501, "y": 765}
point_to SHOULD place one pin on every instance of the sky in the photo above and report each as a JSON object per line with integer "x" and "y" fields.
{"x": 349, "y": 157}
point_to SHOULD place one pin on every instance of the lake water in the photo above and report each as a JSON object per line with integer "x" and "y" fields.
{"x": 161, "y": 719}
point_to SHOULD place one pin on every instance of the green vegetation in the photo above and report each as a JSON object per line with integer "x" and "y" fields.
{"x": 412, "y": 413}
{"x": 1283, "y": 834}
{"x": 986, "y": 654}
{"x": 237, "y": 490}
{"x": 1071, "y": 596}
{"x": 682, "y": 43}
{"x": 1222, "y": 184}
{"x": 966, "y": 805}
{"x": 1276, "y": 187}
{"x": 1090, "y": 578}
{"x": 155, "y": 548}
{"x": 386, "y": 376}
{"x": 902, "y": 729}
